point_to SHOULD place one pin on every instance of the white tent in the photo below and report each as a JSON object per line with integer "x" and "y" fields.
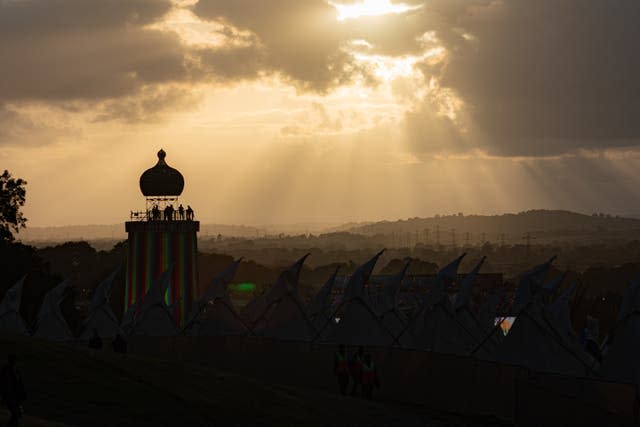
{"x": 528, "y": 284}
{"x": 358, "y": 324}
{"x": 129, "y": 317}
{"x": 10, "y": 318}
{"x": 285, "y": 317}
{"x": 101, "y": 318}
{"x": 537, "y": 342}
{"x": 436, "y": 326}
{"x": 390, "y": 315}
{"x": 319, "y": 308}
{"x": 154, "y": 317}
{"x": 214, "y": 313}
{"x": 560, "y": 310}
{"x": 51, "y": 324}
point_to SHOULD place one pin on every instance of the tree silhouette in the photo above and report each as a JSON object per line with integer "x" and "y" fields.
{"x": 12, "y": 198}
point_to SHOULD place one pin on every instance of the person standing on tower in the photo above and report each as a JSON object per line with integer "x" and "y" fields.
{"x": 181, "y": 212}
{"x": 189, "y": 213}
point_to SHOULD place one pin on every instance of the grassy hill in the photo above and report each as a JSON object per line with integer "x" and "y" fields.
{"x": 72, "y": 386}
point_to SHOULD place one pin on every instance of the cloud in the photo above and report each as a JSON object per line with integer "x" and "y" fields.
{"x": 547, "y": 77}
{"x": 62, "y": 50}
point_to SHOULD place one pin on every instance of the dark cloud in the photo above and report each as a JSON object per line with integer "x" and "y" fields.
{"x": 546, "y": 77}
{"x": 301, "y": 40}
{"x": 62, "y": 50}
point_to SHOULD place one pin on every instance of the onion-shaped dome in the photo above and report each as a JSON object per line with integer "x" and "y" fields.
{"x": 162, "y": 179}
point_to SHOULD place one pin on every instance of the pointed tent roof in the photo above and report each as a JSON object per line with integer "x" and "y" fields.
{"x": 527, "y": 284}
{"x": 129, "y": 316}
{"x": 101, "y": 317}
{"x": 286, "y": 281}
{"x": 285, "y": 317}
{"x": 464, "y": 295}
{"x": 356, "y": 285}
{"x": 359, "y": 324}
{"x": 214, "y": 313}
{"x": 450, "y": 271}
{"x": 560, "y": 310}
{"x": 389, "y": 297}
{"x": 322, "y": 300}
{"x": 10, "y": 318}
{"x": 535, "y": 341}
{"x": 51, "y": 324}
{"x": 154, "y": 317}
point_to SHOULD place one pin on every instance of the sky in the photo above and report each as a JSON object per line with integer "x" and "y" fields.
{"x": 292, "y": 111}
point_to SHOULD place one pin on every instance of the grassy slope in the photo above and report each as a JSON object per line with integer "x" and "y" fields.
{"x": 75, "y": 387}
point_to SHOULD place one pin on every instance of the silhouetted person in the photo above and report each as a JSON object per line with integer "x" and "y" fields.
{"x": 168, "y": 213}
{"x": 155, "y": 212}
{"x": 119, "y": 345}
{"x": 181, "y": 212}
{"x": 341, "y": 368}
{"x": 355, "y": 368}
{"x": 95, "y": 342}
{"x": 12, "y": 390}
{"x": 189, "y": 213}
{"x": 369, "y": 377}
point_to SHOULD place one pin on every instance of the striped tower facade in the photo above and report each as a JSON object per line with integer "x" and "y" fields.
{"x": 153, "y": 247}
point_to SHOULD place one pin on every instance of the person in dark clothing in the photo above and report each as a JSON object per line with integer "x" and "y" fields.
{"x": 189, "y": 213}
{"x": 369, "y": 377}
{"x": 355, "y": 368}
{"x": 12, "y": 390}
{"x": 95, "y": 342}
{"x": 119, "y": 345}
{"x": 181, "y": 212}
{"x": 341, "y": 368}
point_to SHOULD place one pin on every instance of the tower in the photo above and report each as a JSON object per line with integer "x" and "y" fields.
{"x": 161, "y": 237}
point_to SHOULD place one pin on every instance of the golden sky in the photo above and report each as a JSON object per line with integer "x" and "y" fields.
{"x": 285, "y": 111}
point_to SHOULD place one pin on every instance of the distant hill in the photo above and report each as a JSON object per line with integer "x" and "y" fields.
{"x": 539, "y": 223}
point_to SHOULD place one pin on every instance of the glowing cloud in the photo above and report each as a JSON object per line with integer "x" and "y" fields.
{"x": 370, "y": 8}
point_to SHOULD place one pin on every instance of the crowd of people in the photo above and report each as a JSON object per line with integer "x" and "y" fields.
{"x": 169, "y": 213}
{"x": 359, "y": 369}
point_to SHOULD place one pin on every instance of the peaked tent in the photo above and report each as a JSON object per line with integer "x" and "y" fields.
{"x": 10, "y": 318}
{"x": 51, "y": 324}
{"x": 560, "y": 310}
{"x": 319, "y": 308}
{"x": 129, "y": 317}
{"x": 535, "y": 341}
{"x": 463, "y": 299}
{"x": 154, "y": 317}
{"x": 214, "y": 313}
{"x": 285, "y": 317}
{"x": 101, "y": 318}
{"x": 390, "y": 315}
{"x": 358, "y": 324}
{"x": 528, "y": 285}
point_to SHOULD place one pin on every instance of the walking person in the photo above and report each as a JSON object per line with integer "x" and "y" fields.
{"x": 355, "y": 369}
{"x": 12, "y": 390}
{"x": 369, "y": 377}
{"x": 341, "y": 369}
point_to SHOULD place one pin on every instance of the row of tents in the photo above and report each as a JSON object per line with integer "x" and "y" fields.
{"x": 541, "y": 337}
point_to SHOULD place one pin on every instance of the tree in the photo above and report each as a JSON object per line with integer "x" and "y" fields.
{"x": 12, "y": 198}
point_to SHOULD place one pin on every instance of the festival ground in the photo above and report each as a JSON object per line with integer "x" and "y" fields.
{"x": 69, "y": 385}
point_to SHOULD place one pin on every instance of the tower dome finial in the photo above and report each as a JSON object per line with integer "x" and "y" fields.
{"x": 162, "y": 179}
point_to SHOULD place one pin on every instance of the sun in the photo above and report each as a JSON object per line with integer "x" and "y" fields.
{"x": 370, "y": 8}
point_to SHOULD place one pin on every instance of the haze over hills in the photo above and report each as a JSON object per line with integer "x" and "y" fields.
{"x": 510, "y": 227}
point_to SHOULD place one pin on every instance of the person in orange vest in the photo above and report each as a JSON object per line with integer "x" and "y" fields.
{"x": 369, "y": 377}
{"x": 355, "y": 369}
{"x": 341, "y": 368}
